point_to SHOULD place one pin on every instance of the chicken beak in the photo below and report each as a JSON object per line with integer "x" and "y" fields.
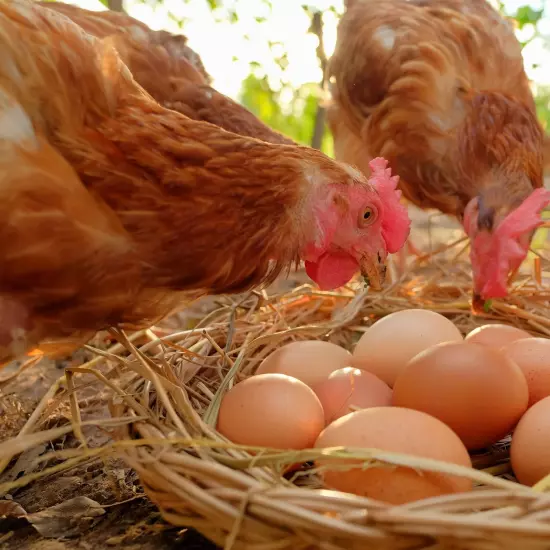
{"x": 373, "y": 268}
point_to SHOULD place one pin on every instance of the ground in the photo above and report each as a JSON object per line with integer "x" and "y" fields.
{"x": 133, "y": 526}
{"x": 134, "y": 523}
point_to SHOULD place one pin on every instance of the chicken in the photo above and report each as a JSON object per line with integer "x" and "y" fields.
{"x": 438, "y": 88}
{"x": 114, "y": 209}
{"x": 169, "y": 70}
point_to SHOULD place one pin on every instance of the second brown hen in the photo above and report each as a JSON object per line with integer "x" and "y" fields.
{"x": 169, "y": 70}
{"x": 438, "y": 87}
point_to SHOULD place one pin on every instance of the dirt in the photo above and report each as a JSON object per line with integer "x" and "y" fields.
{"x": 133, "y": 526}
{"x": 130, "y": 520}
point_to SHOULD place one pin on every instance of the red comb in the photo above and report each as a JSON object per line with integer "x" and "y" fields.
{"x": 395, "y": 218}
{"x": 503, "y": 251}
{"x": 526, "y": 217}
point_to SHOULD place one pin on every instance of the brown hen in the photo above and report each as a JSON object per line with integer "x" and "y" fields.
{"x": 438, "y": 87}
{"x": 169, "y": 70}
{"x": 113, "y": 208}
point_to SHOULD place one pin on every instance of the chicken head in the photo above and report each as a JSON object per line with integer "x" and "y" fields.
{"x": 499, "y": 247}
{"x": 356, "y": 226}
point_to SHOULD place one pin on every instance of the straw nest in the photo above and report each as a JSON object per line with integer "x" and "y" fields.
{"x": 165, "y": 394}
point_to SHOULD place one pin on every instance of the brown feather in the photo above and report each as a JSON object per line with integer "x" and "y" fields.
{"x": 169, "y": 70}
{"x": 114, "y": 209}
{"x": 438, "y": 88}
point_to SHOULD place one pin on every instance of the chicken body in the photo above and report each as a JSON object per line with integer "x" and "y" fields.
{"x": 438, "y": 88}
{"x": 169, "y": 70}
{"x": 113, "y": 207}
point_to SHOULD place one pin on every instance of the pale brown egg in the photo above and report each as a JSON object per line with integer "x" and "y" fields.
{"x": 474, "y": 389}
{"x": 310, "y": 361}
{"x": 349, "y": 389}
{"x": 496, "y": 335}
{"x": 530, "y": 449}
{"x": 402, "y": 431}
{"x": 271, "y": 410}
{"x": 533, "y": 357}
{"x": 391, "y": 342}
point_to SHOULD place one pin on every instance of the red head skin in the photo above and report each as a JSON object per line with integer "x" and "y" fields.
{"x": 496, "y": 253}
{"x": 356, "y": 224}
{"x": 499, "y": 162}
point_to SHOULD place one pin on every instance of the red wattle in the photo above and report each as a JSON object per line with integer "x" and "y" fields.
{"x": 332, "y": 270}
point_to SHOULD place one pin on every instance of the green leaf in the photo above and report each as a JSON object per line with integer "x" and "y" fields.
{"x": 526, "y": 15}
{"x": 487, "y": 306}
{"x": 175, "y": 19}
{"x": 298, "y": 124}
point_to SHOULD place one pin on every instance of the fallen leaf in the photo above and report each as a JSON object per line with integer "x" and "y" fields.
{"x": 10, "y": 509}
{"x": 68, "y": 519}
{"x": 25, "y": 464}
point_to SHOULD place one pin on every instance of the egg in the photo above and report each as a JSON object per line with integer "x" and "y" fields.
{"x": 530, "y": 449}
{"x": 474, "y": 389}
{"x": 496, "y": 335}
{"x": 310, "y": 361}
{"x": 348, "y": 388}
{"x": 392, "y": 341}
{"x": 533, "y": 357}
{"x": 271, "y": 410}
{"x": 402, "y": 431}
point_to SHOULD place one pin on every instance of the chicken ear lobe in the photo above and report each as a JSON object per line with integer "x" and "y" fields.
{"x": 326, "y": 222}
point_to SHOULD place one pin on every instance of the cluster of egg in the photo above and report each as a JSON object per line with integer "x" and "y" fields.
{"x": 413, "y": 385}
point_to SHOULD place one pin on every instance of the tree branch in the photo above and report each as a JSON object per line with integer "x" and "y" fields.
{"x": 319, "y": 125}
{"x": 116, "y": 5}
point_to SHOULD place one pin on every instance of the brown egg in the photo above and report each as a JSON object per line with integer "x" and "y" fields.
{"x": 533, "y": 357}
{"x": 271, "y": 410}
{"x": 496, "y": 335}
{"x": 347, "y": 389}
{"x": 530, "y": 449}
{"x": 392, "y": 341}
{"x": 402, "y": 431}
{"x": 310, "y": 361}
{"x": 474, "y": 389}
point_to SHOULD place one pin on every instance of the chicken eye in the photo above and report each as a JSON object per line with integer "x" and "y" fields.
{"x": 367, "y": 217}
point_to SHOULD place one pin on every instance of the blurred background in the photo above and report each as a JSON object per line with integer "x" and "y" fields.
{"x": 269, "y": 54}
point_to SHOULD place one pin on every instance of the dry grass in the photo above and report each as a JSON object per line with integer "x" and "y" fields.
{"x": 165, "y": 395}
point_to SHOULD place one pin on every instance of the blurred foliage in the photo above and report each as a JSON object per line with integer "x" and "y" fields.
{"x": 527, "y": 19}
{"x": 526, "y": 15}
{"x": 542, "y": 100}
{"x": 297, "y": 121}
{"x": 293, "y": 111}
